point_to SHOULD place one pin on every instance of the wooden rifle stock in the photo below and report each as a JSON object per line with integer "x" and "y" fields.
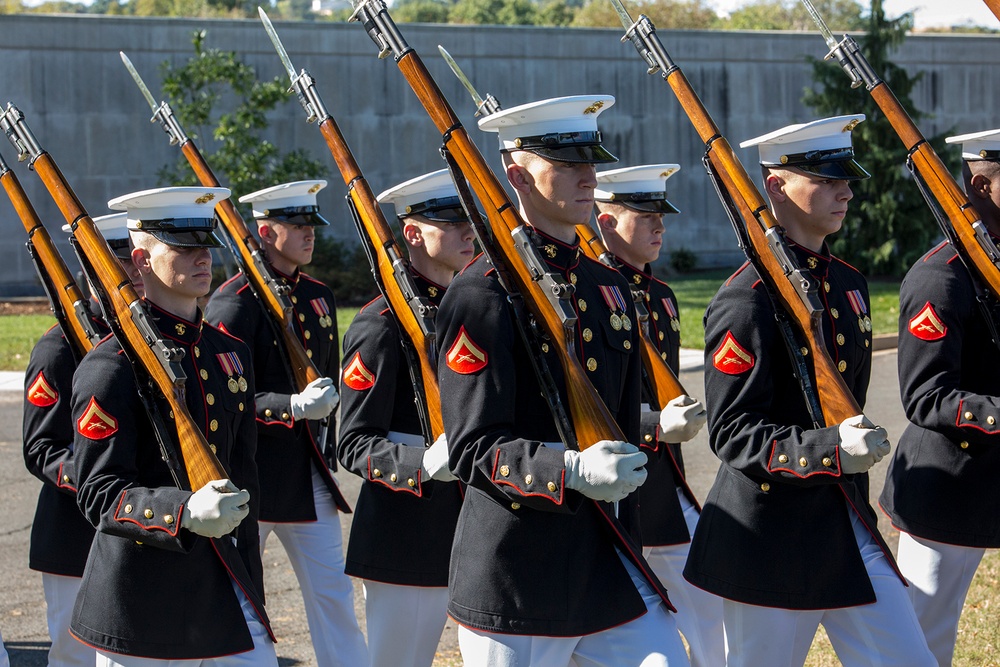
{"x": 250, "y": 256}
{"x": 128, "y": 319}
{"x": 68, "y": 303}
{"x": 994, "y": 6}
{"x": 380, "y": 236}
{"x": 835, "y": 399}
{"x": 592, "y": 421}
{"x": 662, "y": 379}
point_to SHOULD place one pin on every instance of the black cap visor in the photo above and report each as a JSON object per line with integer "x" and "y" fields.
{"x": 201, "y": 238}
{"x": 841, "y": 170}
{"x": 121, "y": 248}
{"x": 306, "y": 216}
{"x": 589, "y": 154}
{"x": 440, "y": 209}
{"x": 644, "y": 202}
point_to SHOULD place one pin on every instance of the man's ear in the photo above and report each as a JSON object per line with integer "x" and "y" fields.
{"x": 520, "y": 178}
{"x": 140, "y": 258}
{"x": 606, "y": 221}
{"x": 412, "y": 233}
{"x": 265, "y": 232}
{"x": 982, "y": 186}
{"x": 774, "y": 186}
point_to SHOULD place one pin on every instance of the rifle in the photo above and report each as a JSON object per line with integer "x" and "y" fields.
{"x": 794, "y": 293}
{"x": 959, "y": 221}
{"x": 413, "y": 312}
{"x": 270, "y": 292}
{"x": 994, "y": 6}
{"x": 68, "y": 303}
{"x": 661, "y": 381}
{"x": 125, "y": 311}
{"x": 525, "y": 277}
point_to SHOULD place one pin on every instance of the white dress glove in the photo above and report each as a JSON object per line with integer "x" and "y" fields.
{"x": 435, "y": 462}
{"x": 316, "y": 401}
{"x": 681, "y": 419}
{"x": 608, "y": 470}
{"x": 862, "y": 444}
{"x": 215, "y": 509}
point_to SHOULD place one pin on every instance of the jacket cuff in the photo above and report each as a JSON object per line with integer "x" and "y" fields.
{"x": 542, "y": 475}
{"x": 152, "y": 511}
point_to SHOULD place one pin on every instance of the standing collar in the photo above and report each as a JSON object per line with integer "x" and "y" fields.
{"x": 175, "y": 328}
{"x": 560, "y": 256}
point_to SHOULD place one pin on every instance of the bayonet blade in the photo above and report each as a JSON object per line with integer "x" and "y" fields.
{"x": 831, "y": 41}
{"x": 623, "y": 14}
{"x": 278, "y": 46}
{"x": 476, "y": 97}
{"x": 139, "y": 82}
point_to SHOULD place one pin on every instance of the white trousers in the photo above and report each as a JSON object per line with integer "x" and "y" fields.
{"x": 882, "y": 634}
{"x": 404, "y": 623}
{"x": 699, "y": 613}
{"x": 262, "y": 654}
{"x": 316, "y": 551}
{"x": 939, "y": 576}
{"x": 60, "y": 596}
{"x": 651, "y": 640}
{"x": 4, "y": 660}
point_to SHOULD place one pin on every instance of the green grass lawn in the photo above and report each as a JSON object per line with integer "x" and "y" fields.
{"x": 695, "y": 290}
{"x": 18, "y": 333}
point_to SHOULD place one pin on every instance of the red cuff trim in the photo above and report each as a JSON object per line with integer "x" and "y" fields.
{"x": 502, "y": 481}
{"x": 62, "y": 485}
{"x": 172, "y": 533}
{"x": 975, "y": 427}
{"x": 417, "y": 490}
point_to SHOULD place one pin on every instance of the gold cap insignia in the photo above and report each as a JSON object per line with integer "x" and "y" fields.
{"x": 517, "y": 142}
{"x": 784, "y": 159}
{"x": 315, "y": 188}
{"x": 982, "y": 153}
{"x": 850, "y": 126}
{"x": 138, "y": 224}
{"x": 205, "y": 198}
{"x": 593, "y": 108}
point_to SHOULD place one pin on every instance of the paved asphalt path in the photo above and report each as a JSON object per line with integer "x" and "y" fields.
{"x": 22, "y": 607}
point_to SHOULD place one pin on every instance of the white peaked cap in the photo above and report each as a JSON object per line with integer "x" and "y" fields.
{"x": 978, "y": 145}
{"x": 435, "y": 185}
{"x": 164, "y": 203}
{"x": 644, "y": 178}
{"x": 560, "y": 121}
{"x": 286, "y": 195}
{"x": 821, "y": 146}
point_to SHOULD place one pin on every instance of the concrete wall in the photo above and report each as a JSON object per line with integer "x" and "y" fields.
{"x": 64, "y": 73}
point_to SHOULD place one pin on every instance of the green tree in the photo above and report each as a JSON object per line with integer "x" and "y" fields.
{"x": 888, "y": 226}
{"x": 842, "y": 15}
{"x": 665, "y": 14}
{"x": 223, "y": 107}
{"x": 493, "y": 12}
{"x": 421, "y": 11}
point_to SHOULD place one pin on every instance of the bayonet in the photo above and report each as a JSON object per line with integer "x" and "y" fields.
{"x": 486, "y": 107}
{"x": 846, "y": 52}
{"x": 302, "y": 83}
{"x": 162, "y": 113}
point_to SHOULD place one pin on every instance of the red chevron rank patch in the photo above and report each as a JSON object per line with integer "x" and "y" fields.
{"x": 41, "y": 394}
{"x": 465, "y": 357}
{"x": 357, "y": 376}
{"x": 731, "y": 358}
{"x": 96, "y": 423}
{"x": 927, "y": 325}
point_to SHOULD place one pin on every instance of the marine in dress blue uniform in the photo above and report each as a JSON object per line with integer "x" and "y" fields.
{"x": 787, "y": 535}
{"x": 60, "y": 535}
{"x": 409, "y": 502}
{"x": 630, "y": 205}
{"x": 538, "y": 573}
{"x": 300, "y": 501}
{"x": 172, "y": 575}
{"x": 940, "y": 489}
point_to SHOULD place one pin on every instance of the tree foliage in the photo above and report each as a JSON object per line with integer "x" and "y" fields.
{"x": 223, "y": 107}
{"x": 889, "y": 226}
{"x": 665, "y": 14}
{"x": 840, "y": 15}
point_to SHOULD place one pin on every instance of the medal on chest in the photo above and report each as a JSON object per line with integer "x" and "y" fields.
{"x": 618, "y": 306}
